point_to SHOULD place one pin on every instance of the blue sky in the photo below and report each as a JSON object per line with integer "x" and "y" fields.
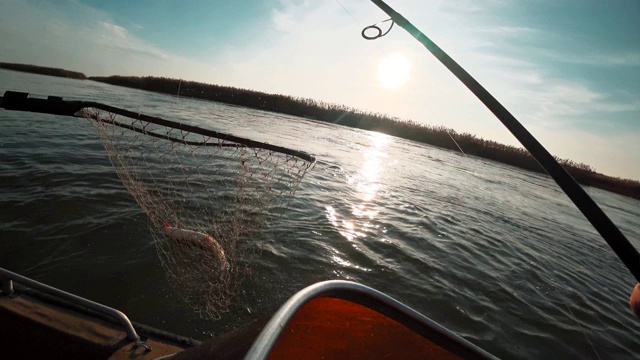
{"x": 569, "y": 70}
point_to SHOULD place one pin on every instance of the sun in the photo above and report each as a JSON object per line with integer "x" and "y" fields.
{"x": 394, "y": 71}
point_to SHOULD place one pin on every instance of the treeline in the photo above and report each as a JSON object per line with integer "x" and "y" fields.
{"x": 339, "y": 114}
{"x": 42, "y": 70}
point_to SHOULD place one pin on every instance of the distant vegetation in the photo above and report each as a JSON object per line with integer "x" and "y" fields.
{"x": 343, "y": 115}
{"x": 43, "y": 70}
{"x": 348, "y": 116}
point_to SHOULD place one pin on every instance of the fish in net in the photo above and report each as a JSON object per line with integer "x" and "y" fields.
{"x": 206, "y": 195}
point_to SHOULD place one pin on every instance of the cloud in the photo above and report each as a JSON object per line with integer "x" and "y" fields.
{"x": 509, "y": 66}
{"x": 314, "y": 49}
{"x": 308, "y": 49}
{"x": 283, "y": 19}
{"x": 72, "y": 35}
{"x": 117, "y": 38}
{"x": 471, "y": 6}
{"x": 596, "y": 58}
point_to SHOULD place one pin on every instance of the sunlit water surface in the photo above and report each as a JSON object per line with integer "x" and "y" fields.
{"x": 496, "y": 254}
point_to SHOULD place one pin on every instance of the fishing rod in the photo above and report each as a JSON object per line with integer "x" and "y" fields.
{"x": 600, "y": 221}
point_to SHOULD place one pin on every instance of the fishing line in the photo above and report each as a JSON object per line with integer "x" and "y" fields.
{"x": 626, "y": 252}
{"x": 582, "y": 330}
{"x": 611, "y": 234}
{"x": 345, "y": 9}
{"x": 377, "y": 28}
{"x": 552, "y": 282}
{"x": 386, "y": 53}
{"x": 600, "y": 221}
{"x": 374, "y": 26}
{"x": 455, "y": 142}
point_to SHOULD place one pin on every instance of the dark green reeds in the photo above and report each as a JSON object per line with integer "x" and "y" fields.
{"x": 351, "y": 117}
{"x": 43, "y": 70}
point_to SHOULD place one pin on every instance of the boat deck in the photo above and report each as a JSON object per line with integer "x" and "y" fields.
{"x": 33, "y": 329}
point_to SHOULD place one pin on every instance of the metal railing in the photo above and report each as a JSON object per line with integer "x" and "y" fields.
{"x": 8, "y": 277}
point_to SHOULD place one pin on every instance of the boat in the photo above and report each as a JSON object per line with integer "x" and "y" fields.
{"x": 328, "y": 320}
{"x": 331, "y": 319}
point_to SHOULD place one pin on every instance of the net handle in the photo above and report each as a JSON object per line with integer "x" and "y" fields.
{"x": 55, "y": 105}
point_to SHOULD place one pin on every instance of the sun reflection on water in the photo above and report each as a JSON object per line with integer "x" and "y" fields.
{"x": 358, "y": 218}
{"x": 367, "y": 179}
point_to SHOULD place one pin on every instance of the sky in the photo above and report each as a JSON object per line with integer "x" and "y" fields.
{"x": 569, "y": 70}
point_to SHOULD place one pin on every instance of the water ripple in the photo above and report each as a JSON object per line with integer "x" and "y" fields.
{"x": 494, "y": 253}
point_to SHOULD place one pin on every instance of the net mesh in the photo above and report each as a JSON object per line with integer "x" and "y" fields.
{"x": 206, "y": 200}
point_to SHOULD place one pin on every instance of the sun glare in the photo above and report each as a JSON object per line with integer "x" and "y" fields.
{"x": 394, "y": 70}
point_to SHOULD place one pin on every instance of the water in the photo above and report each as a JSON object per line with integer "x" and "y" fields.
{"x": 496, "y": 254}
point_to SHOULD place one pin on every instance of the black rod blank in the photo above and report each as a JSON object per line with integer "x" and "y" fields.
{"x": 600, "y": 221}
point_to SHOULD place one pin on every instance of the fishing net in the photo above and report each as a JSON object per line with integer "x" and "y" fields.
{"x": 206, "y": 194}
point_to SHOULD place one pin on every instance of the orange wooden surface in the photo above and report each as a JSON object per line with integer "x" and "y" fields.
{"x": 328, "y": 328}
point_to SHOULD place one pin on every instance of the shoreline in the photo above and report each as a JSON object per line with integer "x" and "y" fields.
{"x": 43, "y": 70}
{"x": 313, "y": 110}
{"x": 439, "y": 136}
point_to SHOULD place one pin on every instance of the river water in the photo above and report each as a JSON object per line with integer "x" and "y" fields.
{"x": 496, "y": 254}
